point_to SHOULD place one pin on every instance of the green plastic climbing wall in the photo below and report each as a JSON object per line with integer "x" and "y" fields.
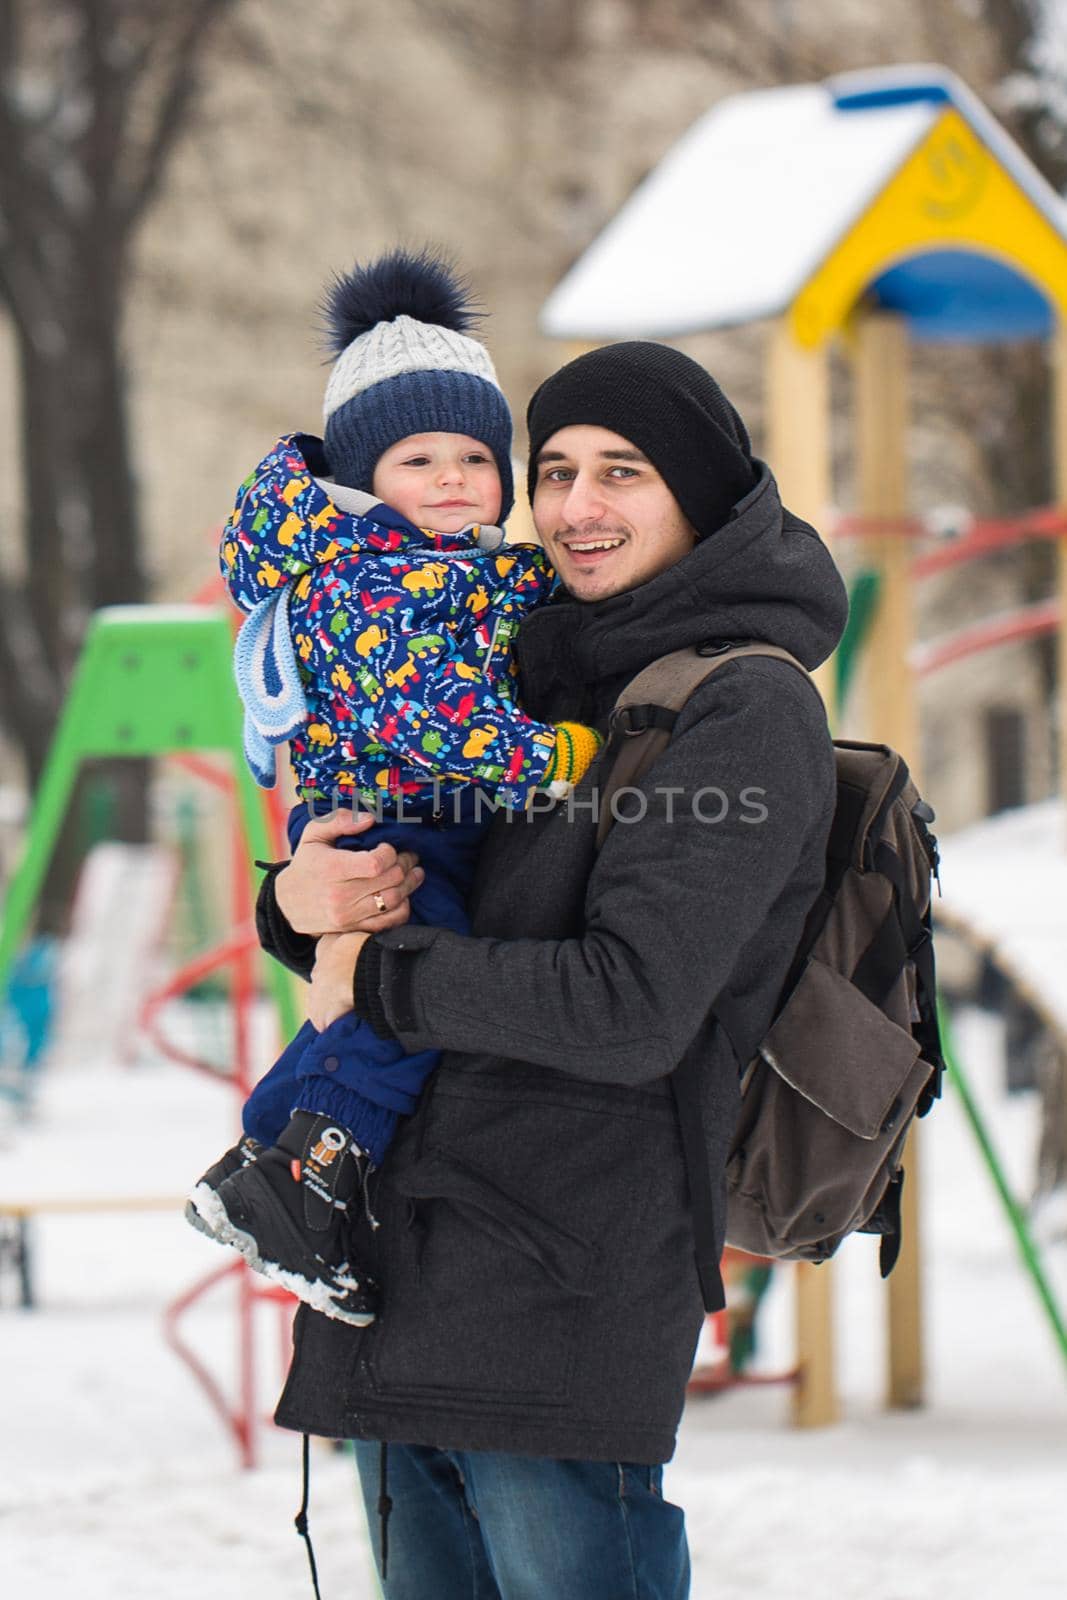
{"x": 152, "y": 681}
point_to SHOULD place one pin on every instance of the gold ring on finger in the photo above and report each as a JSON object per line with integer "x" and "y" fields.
{"x": 379, "y": 901}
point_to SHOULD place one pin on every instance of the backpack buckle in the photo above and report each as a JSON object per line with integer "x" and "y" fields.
{"x": 716, "y": 647}
{"x": 630, "y": 721}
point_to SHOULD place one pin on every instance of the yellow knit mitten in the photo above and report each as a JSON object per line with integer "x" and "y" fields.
{"x": 575, "y": 748}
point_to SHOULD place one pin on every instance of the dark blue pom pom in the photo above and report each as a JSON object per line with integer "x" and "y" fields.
{"x": 423, "y": 286}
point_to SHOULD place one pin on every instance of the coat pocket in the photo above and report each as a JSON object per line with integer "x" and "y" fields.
{"x": 488, "y": 1293}
{"x": 562, "y": 1256}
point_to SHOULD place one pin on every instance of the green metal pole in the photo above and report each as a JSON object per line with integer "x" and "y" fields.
{"x": 863, "y": 598}
{"x": 1023, "y": 1237}
{"x": 46, "y": 818}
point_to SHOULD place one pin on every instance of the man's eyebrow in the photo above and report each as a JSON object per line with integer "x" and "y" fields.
{"x": 604, "y": 455}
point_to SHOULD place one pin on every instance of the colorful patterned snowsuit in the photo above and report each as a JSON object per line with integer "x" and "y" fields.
{"x": 402, "y": 638}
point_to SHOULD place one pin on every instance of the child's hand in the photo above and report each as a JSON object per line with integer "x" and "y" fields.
{"x": 332, "y": 977}
{"x": 324, "y": 890}
{"x": 575, "y": 750}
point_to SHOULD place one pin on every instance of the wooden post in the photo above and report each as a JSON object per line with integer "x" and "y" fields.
{"x": 1058, "y": 357}
{"x": 888, "y": 681}
{"x": 798, "y": 450}
{"x": 891, "y": 716}
{"x": 1058, "y": 351}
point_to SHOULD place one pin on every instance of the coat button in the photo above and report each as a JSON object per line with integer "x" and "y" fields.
{"x": 331, "y": 1063}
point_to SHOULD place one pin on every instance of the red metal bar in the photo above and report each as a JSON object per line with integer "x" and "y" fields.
{"x": 877, "y": 527}
{"x": 186, "y": 978}
{"x": 238, "y": 953}
{"x": 239, "y": 1420}
{"x": 983, "y": 534}
{"x": 246, "y": 1368}
{"x": 1009, "y": 627}
{"x": 713, "y": 1376}
{"x": 244, "y": 981}
{"x": 213, "y": 592}
{"x": 233, "y": 1420}
{"x": 985, "y": 538}
{"x": 192, "y": 972}
{"x": 217, "y": 773}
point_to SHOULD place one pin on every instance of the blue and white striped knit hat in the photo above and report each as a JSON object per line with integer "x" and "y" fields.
{"x": 406, "y": 364}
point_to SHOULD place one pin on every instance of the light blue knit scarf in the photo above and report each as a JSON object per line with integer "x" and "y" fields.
{"x": 268, "y": 681}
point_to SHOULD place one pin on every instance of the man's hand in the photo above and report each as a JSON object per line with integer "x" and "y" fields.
{"x": 325, "y": 890}
{"x": 332, "y": 976}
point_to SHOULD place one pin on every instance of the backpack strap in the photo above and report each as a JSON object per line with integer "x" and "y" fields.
{"x": 647, "y": 709}
{"x": 639, "y": 731}
{"x": 905, "y": 935}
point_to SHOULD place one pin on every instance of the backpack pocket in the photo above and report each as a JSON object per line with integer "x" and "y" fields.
{"x": 824, "y": 1106}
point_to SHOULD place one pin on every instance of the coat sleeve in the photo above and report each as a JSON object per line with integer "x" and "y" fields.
{"x": 425, "y": 698}
{"x": 739, "y": 803}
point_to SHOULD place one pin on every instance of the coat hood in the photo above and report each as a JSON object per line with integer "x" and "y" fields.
{"x": 288, "y": 518}
{"x": 765, "y": 575}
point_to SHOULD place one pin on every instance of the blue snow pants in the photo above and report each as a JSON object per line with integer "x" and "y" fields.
{"x": 347, "y": 1072}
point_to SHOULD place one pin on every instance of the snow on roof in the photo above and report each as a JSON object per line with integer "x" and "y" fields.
{"x": 740, "y": 213}
{"x": 1006, "y": 878}
{"x": 164, "y": 611}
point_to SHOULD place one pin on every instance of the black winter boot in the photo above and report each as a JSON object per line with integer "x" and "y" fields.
{"x": 202, "y": 1208}
{"x": 287, "y": 1213}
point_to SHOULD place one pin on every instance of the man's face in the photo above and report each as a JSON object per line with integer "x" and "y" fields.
{"x": 605, "y": 516}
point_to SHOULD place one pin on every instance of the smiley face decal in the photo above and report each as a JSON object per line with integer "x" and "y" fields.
{"x": 956, "y": 168}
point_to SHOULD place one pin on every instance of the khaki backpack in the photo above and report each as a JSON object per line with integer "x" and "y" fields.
{"x": 853, "y": 1052}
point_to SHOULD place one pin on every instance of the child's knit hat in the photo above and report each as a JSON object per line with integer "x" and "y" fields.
{"x": 406, "y": 364}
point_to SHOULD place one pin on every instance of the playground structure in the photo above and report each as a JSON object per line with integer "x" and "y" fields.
{"x": 918, "y": 215}
{"x": 879, "y": 206}
{"x": 158, "y": 681}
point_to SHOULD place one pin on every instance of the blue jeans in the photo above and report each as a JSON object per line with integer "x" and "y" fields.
{"x": 477, "y": 1525}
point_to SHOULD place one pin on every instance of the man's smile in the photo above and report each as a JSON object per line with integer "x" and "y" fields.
{"x": 589, "y": 549}
{"x": 582, "y": 545}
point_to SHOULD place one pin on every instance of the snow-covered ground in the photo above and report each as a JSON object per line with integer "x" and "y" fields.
{"x": 117, "y": 1481}
{"x": 1006, "y": 878}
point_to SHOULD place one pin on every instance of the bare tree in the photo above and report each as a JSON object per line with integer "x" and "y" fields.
{"x": 93, "y": 97}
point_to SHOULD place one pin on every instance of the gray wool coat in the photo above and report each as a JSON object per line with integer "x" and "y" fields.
{"x": 536, "y": 1251}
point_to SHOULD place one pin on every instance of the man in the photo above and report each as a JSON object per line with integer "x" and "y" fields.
{"x": 541, "y": 1300}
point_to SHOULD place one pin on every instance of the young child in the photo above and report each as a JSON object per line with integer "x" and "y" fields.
{"x": 381, "y": 603}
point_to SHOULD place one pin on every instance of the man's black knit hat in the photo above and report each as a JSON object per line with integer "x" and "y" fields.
{"x": 669, "y": 407}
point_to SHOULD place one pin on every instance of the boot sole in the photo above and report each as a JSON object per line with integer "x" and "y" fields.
{"x": 205, "y": 1212}
{"x": 312, "y": 1292}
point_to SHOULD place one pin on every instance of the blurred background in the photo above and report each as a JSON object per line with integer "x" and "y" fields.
{"x": 178, "y": 181}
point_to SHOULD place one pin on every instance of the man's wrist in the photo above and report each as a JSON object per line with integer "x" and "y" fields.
{"x": 367, "y": 999}
{"x": 277, "y": 874}
{"x": 276, "y": 935}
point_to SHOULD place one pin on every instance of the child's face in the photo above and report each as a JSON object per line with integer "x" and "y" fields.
{"x": 440, "y": 481}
